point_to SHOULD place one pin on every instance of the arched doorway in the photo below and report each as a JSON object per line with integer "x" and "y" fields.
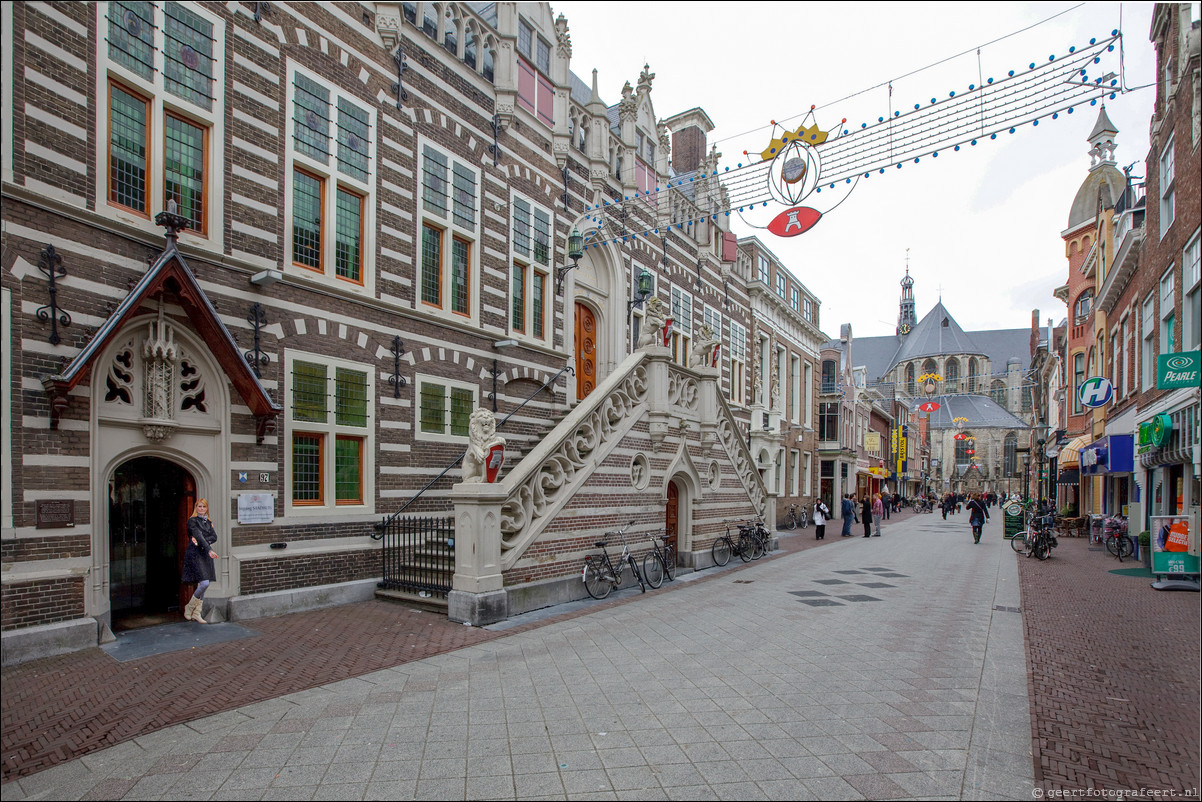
{"x": 150, "y": 500}
{"x": 586, "y": 351}
{"x": 672, "y": 515}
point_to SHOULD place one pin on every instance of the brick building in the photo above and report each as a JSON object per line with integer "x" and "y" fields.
{"x": 274, "y": 256}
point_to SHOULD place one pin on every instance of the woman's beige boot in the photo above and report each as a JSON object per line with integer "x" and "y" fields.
{"x": 198, "y": 611}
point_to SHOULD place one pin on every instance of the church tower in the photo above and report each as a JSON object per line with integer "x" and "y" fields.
{"x": 906, "y": 319}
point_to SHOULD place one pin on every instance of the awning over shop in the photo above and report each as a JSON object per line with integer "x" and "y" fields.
{"x": 1070, "y": 455}
{"x": 1071, "y": 476}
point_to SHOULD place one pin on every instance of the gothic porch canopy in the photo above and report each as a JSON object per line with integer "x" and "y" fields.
{"x": 169, "y": 275}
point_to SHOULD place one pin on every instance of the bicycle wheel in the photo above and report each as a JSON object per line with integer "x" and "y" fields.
{"x": 595, "y": 582}
{"x": 670, "y": 562}
{"x": 634, "y": 569}
{"x": 746, "y": 548}
{"x": 759, "y": 546}
{"x": 720, "y": 551}
{"x": 791, "y": 522}
{"x": 653, "y": 569}
{"x": 805, "y": 520}
{"x": 1112, "y": 545}
{"x": 1019, "y": 543}
{"x": 1125, "y": 547}
{"x": 1041, "y": 549}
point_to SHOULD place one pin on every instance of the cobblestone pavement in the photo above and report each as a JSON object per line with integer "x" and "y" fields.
{"x": 1114, "y": 675}
{"x": 758, "y": 681}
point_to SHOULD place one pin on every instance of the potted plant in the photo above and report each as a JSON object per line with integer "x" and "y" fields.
{"x": 1145, "y": 548}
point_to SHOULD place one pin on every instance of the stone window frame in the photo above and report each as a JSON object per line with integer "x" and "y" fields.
{"x": 160, "y": 104}
{"x": 452, "y": 230}
{"x": 329, "y": 431}
{"x": 532, "y": 269}
{"x": 334, "y": 183}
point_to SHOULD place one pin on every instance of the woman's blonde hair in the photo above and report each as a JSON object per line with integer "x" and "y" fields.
{"x": 199, "y": 501}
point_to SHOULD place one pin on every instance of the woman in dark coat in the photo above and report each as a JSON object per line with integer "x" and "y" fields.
{"x": 866, "y": 514}
{"x": 977, "y": 515}
{"x": 198, "y": 559}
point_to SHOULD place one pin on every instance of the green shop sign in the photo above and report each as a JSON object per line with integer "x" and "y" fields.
{"x": 1155, "y": 432}
{"x": 1178, "y": 370}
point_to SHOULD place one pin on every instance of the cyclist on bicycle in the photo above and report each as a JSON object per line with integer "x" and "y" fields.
{"x": 977, "y": 515}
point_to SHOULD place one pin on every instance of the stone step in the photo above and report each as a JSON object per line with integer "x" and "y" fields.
{"x": 434, "y": 603}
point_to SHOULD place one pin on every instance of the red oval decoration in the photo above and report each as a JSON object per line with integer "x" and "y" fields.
{"x": 792, "y": 222}
{"x": 929, "y": 406}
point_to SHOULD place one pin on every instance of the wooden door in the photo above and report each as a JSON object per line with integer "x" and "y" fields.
{"x": 586, "y": 351}
{"x": 671, "y": 514}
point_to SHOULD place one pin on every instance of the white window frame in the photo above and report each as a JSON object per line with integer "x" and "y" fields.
{"x": 764, "y": 268}
{"x": 161, "y": 102}
{"x": 738, "y": 364}
{"x": 1167, "y": 289}
{"x": 1191, "y": 295}
{"x": 682, "y": 324}
{"x": 332, "y": 179}
{"x": 330, "y": 430}
{"x": 808, "y": 393}
{"x": 795, "y": 372}
{"x": 447, "y": 385}
{"x": 794, "y": 471}
{"x": 532, "y": 266}
{"x": 452, "y": 230}
{"x": 1166, "y": 166}
{"x": 1148, "y": 350}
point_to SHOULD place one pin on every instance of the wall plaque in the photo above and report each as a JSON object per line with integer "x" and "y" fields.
{"x": 56, "y": 513}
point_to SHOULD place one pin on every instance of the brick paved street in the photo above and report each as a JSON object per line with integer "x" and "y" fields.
{"x": 1114, "y": 674}
{"x": 885, "y": 691}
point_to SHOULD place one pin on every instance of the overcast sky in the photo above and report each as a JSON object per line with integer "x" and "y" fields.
{"x": 982, "y": 226}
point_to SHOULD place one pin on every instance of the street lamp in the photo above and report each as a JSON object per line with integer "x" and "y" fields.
{"x": 644, "y": 290}
{"x": 575, "y": 253}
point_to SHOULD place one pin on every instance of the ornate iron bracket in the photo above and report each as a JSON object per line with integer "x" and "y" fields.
{"x": 399, "y": 86}
{"x": 726, "y": 292}
{"x": 263, "y": 425}
{"x": 495, "y": 147}
{"x": 566, "y": 207}
{"x": 259, "y": 9}
{"x": 51, "y": 264}
{"x": 257, "y": 319}
{"x": 493, "y": 395}
{"x": 700, "y": 264}
{"x": 396, "y": 379}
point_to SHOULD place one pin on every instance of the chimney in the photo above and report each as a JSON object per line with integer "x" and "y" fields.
{"x": 689, "y": 146}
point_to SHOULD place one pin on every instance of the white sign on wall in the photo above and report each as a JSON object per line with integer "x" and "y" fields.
{"x": 256, "y": 508}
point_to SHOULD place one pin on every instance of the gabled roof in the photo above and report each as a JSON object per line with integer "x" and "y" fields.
{"x": 981, "y": 411}
{"x": 937, "y": 333}
{"x": 169, "y": 274}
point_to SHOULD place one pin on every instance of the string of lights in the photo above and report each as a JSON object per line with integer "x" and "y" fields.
{"x": 1042, "y": 91}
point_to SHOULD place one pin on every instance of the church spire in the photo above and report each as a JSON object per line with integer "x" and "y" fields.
{"x": 906, "y": 319}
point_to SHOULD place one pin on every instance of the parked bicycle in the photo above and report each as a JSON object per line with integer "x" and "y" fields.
{"x": 601, "y": 574}
{"x": 660, "y": 561}
{"x": 761, "y": 533}
{"x": 1118, "y": 542}
{"x": 746, "y": 545}
{"x": 1038, "y": 539}
{"x": 797, "y": 517}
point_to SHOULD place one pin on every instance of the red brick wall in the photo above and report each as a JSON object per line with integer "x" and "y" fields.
{"x": 26, "y": 604}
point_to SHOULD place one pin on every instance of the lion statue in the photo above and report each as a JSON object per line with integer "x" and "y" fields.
{"x": 482, "y": 436}
{"x": 651, "y": 332}
{"x": 703, "y": 348}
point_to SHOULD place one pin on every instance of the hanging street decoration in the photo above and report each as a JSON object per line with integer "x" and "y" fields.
{"x": 804, "y": 162}
{"x": 929, "y": 406}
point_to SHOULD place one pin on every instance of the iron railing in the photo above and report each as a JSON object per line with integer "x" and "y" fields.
{"x": 418, "y": 555}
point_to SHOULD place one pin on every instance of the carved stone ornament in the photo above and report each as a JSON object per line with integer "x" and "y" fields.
{"x": 651, "y": 331}
{"x": 388, "y": 25}
{"x": 640, "y": 472}
{"x": 160, "y": 357}
{"x": 715, "y": 475}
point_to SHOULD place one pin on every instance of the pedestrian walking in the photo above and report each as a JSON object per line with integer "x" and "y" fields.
{"x": 977, "y": 516}
{"x": 848, "y": 511}
{"x": 866, "y": 515}
{"x": 198, "y": 559}
{"x": 878, "y": 509}
{"x": 886, "y": 503}
{"x": 821, "y": 513}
